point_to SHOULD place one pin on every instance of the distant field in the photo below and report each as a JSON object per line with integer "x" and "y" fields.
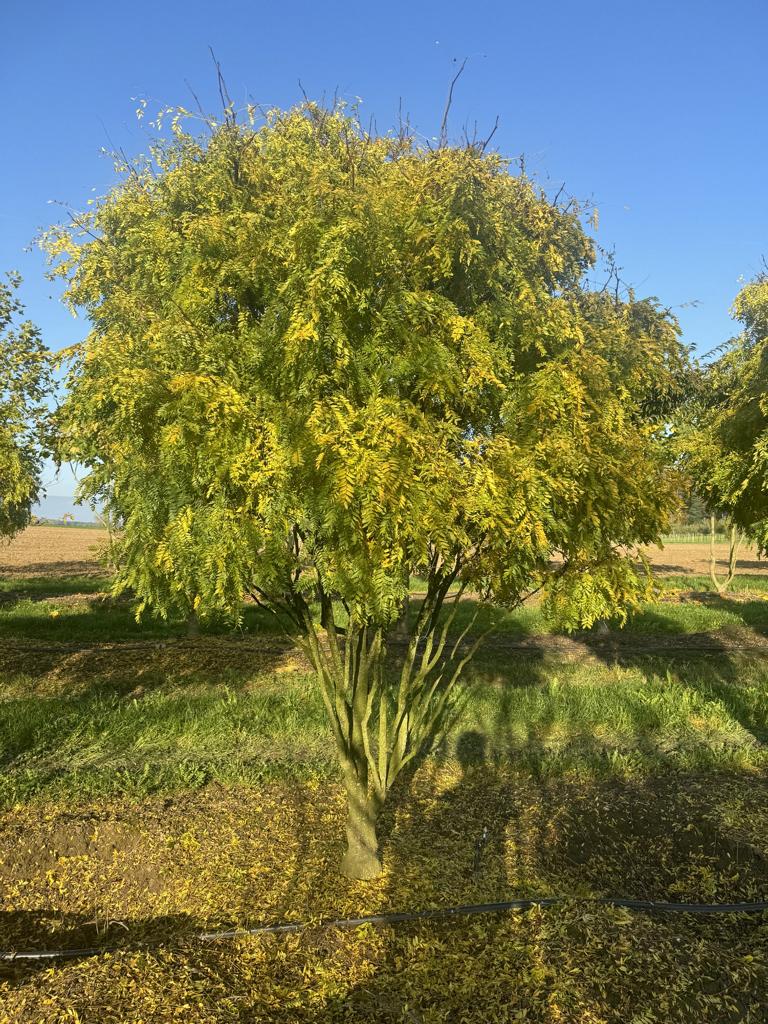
{"x": 687, "y": 557}
{"x": 53, "y": 551}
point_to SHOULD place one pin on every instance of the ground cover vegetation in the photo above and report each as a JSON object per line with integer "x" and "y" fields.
{"x": 154, "y": 786}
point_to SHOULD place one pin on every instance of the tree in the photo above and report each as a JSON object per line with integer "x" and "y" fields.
{"x": 324, "y": 361}
{"x": 24, "y": 383}
{"x": 723, "y": 437}
{"x": 734, "y": 543}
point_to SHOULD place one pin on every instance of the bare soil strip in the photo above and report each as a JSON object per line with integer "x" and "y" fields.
{"x": 54, "y": 551}
{"x": 59, "y": 666}
{"x": 693, "y": 559}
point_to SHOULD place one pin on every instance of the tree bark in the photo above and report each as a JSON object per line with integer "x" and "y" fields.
{"x": 380, "y": 724}
{"x": 361, "y": 860}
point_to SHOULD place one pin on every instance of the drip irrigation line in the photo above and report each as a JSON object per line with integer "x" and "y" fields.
{"x": 440, "y": 913}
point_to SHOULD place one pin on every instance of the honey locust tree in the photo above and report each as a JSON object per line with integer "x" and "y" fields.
{"x": 24, "y": 383}
{"x": 322, "y": 362}
{"x": 723, "y": 432}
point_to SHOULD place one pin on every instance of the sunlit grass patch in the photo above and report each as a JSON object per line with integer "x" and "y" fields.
{"x": 171, "y": 732}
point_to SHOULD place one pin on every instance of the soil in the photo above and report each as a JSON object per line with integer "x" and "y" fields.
{"x": 693, "y": 559}
{"x": 240, "y": 856}
{"x": 54, "y": 551}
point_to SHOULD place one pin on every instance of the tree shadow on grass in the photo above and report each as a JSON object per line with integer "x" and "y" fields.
{"x": 83, "y": 570}
{"x": 42, "y": 588}
{"x": 708, "y": 664}
{"x": 753, "y": 613}
{"x": 134, "y": 670}
{"x": 105, "y": 619}
{"x": 85, "y": 652}
{"x": 101, "y": 745}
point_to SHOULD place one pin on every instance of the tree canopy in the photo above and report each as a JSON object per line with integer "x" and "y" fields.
{"x": 323, "y": 362}
{"x": 724, "y": 433}
{"x": 24, "y": 382}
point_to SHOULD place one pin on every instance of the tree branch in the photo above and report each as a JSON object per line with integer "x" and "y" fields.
{"x": 448, "y": 102}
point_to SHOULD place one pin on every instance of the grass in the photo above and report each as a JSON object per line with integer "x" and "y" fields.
{"x": 148, "y": 789}
{"x": 744, "y": 583}
{"x": 79, "y": 610}
{"x": 152, "y": 719}
{"x": 103, "y": 744}
{"x": 172, "y": 732}
{"x": 41, "y": 609}
{"x": 51, "y": 586}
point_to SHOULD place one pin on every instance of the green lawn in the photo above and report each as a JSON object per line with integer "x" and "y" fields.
{"x": 246, "y": 726}
{"x": 79, "y": 610}
{"x": 149, "y": 717}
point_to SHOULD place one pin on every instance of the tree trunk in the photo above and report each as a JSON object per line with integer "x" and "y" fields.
{"x": 722, "y": 585}
{"x": 193, "y": 624}
{"x": 361, "y": 861}
{"x": 380, "y": 725}
{"x": 712, "y": 558}
{"x": 733, "y": 552}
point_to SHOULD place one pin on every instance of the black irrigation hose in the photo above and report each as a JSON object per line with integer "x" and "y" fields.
{"x": 649, "y": 906}
{"x": 533, "y": 644}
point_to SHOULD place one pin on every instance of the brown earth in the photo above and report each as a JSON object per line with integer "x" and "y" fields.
{"x": 54, "y": 551}
{"x": 74, "y": 551}
{"x": 680, "y": 559}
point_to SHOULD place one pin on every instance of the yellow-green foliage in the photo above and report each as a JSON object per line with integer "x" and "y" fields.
{"x": 323, "y": 362}
{"x": 724, "y": 435}
{"x": 387, "y": 345}
{"x": 24, "y": 380}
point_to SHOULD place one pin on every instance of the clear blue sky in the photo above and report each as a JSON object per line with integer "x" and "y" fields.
{"x": 656, "y": 111}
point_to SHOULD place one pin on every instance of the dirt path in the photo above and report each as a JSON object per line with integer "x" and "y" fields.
{"x": 693, "y": 559}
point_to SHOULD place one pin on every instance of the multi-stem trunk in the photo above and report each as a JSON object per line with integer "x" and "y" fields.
{"x": 381, "y": 720}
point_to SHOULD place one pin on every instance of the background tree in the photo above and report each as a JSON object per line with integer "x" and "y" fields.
{"x": 723, "y": 439}
{"x": 323, "y": 361}
{"x": 24, "y": 383}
